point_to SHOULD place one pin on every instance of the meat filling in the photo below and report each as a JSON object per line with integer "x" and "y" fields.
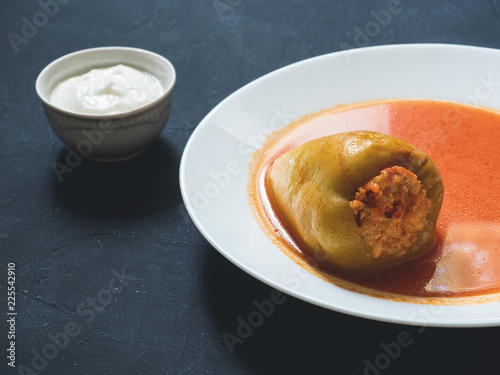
{"x": 391, "y": 211}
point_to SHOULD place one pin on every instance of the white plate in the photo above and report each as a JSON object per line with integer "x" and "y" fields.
{"x": 213, "y": 171}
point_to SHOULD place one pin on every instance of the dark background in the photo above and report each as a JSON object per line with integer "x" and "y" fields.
{"x": 68, "y": 238}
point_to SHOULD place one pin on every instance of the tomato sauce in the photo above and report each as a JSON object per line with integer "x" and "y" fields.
{"x": 463, "y": 142}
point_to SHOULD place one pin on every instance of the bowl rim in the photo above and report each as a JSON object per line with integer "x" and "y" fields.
{"x": 167, "y": 90}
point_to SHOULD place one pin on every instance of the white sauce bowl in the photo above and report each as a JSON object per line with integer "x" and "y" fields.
{"x": 108, "y": 137}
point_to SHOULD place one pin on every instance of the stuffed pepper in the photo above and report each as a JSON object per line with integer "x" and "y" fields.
{"x": 358, "y": 201}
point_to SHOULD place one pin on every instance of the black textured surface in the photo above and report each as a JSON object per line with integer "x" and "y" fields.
{"x": 71, "y": 239}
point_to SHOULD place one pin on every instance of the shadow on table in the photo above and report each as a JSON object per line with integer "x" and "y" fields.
{"x": 140, "y": 186}
{"x": 296, "y": 337}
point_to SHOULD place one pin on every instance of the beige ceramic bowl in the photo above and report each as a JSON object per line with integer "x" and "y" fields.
{"x": 108, "y": 137}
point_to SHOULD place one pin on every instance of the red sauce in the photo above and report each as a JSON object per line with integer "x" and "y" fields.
{"x": 463, "y": 142}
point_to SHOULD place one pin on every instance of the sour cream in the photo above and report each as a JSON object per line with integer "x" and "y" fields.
{"x": 107, "y": 91}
